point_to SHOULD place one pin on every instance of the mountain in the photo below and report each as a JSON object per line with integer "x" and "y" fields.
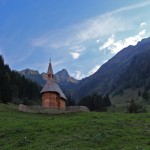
{"x": 137, "y": 74}
{"x": 109, "y": 76}
{"x": 34, "y": 75}
{"x": 127, "y": 69}
{"x": 62, "y": 78}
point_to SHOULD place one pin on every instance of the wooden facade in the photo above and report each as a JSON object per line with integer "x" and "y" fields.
{"x": 52, "y": 100}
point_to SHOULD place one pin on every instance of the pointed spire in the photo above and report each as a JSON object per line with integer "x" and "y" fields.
{"x": 50, "y": 70}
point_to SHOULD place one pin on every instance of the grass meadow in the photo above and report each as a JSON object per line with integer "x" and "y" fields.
{"x": 74, "y": 131}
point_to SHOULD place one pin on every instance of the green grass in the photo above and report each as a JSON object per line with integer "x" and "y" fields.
{"x": 75, "y": 131}
{"x": 120, "y": 102}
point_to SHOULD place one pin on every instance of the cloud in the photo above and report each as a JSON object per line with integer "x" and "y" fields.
{"x": 57, "y": 63}
{"x": 116, "y": 46}
{"x": 79, "y": 75}
{"x": 90, "y": 29}
{"x": 143, "y": 24}
{"x": 75, "y": 55}
{"x": 78, "y": 50}
{"x": 79, "y": 34}
{"x": 39, "y": 42}
{"x": 104, "y": 61}
{"x": 105, "y": 24}
{"x": 93, "y": 70}
{"x": 74, "y": 40}
{"x": 97, "y": 41}
{"x": 131, "y": 7}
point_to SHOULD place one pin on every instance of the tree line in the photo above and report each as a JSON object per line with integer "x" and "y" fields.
{"x": 96, "y": 102}
{"x": 16, "y": 88}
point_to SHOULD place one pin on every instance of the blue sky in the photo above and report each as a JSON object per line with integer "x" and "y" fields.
{"x": 79, "y": 35}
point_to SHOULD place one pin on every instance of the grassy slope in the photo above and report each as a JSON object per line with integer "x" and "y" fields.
{"x": 121, "y": 102}
{"x": 106, "y": 131}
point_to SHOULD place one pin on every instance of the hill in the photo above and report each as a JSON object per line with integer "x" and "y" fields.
{"x": 90, "y": 130}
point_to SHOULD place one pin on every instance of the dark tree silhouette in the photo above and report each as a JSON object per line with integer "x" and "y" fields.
{"x": 14, "y": 86}
{"x": 96, "y": 102}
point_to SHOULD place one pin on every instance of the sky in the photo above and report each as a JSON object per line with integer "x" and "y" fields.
{"x": 78, "y": 35}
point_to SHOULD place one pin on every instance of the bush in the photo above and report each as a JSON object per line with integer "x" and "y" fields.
{"x": 135, "y": 107}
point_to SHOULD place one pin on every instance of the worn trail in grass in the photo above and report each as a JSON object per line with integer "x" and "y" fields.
{"x": 90, "y": 130}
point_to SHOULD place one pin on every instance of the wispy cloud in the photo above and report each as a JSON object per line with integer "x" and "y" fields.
{"x": 131, "y": 7}
{"x": 77, "y": 51}
{"x": 89, "y": 29}
{"x": 116, "y": 46}
{"x": 79, "y": 75}
{"x": 93, "y": 70}
{"x": 55, "y": 64}
{"x": 143, "y": 24}
{"x": 39, "y": 42}
{"x": 75, "y": 40}
{"x": 80, "y": 33}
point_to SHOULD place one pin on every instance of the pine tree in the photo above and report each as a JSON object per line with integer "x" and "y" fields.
{"x": 70, "y": 101}
{"x": 95, "y": 102}
{"x": 108, "y": 102}
{"x": 13, "y": 85}
{"x": 145, "y": 95}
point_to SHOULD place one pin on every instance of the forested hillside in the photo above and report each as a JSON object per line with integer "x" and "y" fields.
{"x": 136, "y": 75}
{"x": 15, "y": 88}
{"x": 120, "y": 71}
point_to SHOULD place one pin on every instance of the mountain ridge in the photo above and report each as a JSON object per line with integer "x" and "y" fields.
{"x": 62, "y": 77}
{"x": 107, "y": 79}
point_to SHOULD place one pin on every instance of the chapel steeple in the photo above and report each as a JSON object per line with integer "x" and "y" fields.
{"x": 50, "y": 74}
